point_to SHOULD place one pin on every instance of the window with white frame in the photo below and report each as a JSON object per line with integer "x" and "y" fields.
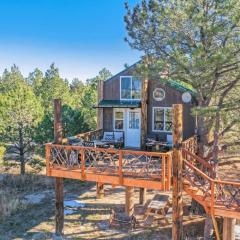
{"x": 118, "y": 119}
{"x": 162, "y": 119}
{"x": 130, "y": 88}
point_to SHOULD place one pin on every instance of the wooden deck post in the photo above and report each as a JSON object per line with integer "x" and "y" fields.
{"x": 100, "y": 110}
{"x": 144, "y": 107}
{"x": 229, "y": 228}
{"x": 142, "y": 195}
{"x": 177, "y": 216}
{"x": 100, "y": 190}
{"x": 129, "y": 207}
{"x": 59, "y": 214}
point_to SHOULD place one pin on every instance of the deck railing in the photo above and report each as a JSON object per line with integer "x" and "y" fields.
{"x": 152, "y": 166}
{"x": 191, "y": 144}
{"x": 88, "y": 136}
{"x": 217, "y": 194}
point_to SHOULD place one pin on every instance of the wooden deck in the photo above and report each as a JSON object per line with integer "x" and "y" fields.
{"x": 150, "y": 170}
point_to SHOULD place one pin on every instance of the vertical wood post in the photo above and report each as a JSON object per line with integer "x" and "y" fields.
{"x": 177, "y": 217}
{"x": 129, "y": 206}
{"x": 229, "y": 228}
{"x": 59, "y": 215}
{"x": 100, "y": 190}
{"x": 144, "y": 106}
{"x": 100, "y": 110}
{"x": 142, "y": 195}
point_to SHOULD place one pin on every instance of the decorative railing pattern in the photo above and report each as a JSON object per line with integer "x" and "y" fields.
{"x": 123, "y": 163}
{"x": 87, "y": 136}
{"x": 219, "y": 194}
{"x": 191, "y": 144}
{"x": 227, "y": 194}
{"x": 198, "y": 162}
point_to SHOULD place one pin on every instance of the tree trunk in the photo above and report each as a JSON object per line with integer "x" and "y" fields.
{"x": 208, "y": 228}
{"x": 21, "y": 152}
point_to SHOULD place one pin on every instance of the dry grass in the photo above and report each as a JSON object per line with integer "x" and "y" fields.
{"x": 14, "y": 187}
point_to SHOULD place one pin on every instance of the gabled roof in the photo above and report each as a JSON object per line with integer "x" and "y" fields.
{"x": 171, "y": 83}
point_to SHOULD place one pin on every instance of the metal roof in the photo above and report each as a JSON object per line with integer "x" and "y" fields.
{"x": 119, "y": 104}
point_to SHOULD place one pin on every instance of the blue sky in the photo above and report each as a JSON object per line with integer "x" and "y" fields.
{"x": 80, "y": 36}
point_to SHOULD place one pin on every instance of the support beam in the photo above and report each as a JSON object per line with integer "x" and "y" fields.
{"x": 100, "y": 190}
{"x": 229, "y": 228}
{"x": 177, "y": 217}
{"x": 100, "y": 110}
{"x": 144, "y": 107}
{"x": 59, "y": 215}
{"x": 142, "y": 195}
{"x": 129, "y": 205}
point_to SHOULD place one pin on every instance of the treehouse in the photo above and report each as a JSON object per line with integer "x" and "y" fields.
{"x": 145, "y": 139}
{"x": 142, "y": 111}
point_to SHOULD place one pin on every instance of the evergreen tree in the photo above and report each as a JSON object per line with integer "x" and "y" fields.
{"x": 197, "y": 42}
{"x": 20, "y": 113}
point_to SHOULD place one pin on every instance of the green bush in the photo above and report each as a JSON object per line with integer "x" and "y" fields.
{"x": 37, "y": 162}
{"x": 2, "y": 153}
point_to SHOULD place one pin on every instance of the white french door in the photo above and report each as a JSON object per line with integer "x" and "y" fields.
{"x": 133, "y": 128}
{"x": 129, "y": 121}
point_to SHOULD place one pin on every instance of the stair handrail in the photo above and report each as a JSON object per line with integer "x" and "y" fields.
{"x": 215, "y": 184}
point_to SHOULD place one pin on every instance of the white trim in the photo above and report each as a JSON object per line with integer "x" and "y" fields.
{"x": 128, "y": 99}
{"x": 118, "y": 110}
{"x": 156, "y": 98}
{"x": 153, "y": 110}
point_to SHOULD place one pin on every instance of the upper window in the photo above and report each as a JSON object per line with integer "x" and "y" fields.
{"x": 130, "y": 88}
{"x": 162, "y": 119}
{"x": 118, "y": 120}
{"x": 158, "y": 94}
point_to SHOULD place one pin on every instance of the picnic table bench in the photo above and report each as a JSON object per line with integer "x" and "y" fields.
{"x": 157, "y": 209}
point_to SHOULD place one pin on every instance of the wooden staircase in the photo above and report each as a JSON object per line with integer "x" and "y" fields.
{"x": 219, "y": 198}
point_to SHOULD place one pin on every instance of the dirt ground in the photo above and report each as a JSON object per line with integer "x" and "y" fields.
{"x": 85, "y": 216}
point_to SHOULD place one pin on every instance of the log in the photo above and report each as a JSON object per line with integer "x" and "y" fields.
{"x": 129, "y": 197}
{"x": 142, "y": 196}
{"x": 144, "y": 107}
{"x": 177, "y": 201}
{"x": 100, "y": 110}
{"x": 229, "y": 228}
{"x": 100, "y": 190}
{"x": 59, "y": 214}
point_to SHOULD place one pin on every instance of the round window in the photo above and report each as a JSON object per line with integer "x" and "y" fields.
{"x": 158, "y": 94}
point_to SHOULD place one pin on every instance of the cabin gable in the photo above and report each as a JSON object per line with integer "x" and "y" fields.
{"x": 158, "y": 109}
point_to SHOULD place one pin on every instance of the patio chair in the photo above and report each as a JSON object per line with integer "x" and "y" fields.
{"x": 108, "y": 136}
{"x": 119, "y": 138}
{"x": 170, "y": 140}
{"x": 88, "y": 144}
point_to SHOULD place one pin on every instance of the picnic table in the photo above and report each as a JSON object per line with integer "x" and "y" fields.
{"x": 157, "y": 144}
{"x": 103, "y": 143}
{"x": 158, "y": 209}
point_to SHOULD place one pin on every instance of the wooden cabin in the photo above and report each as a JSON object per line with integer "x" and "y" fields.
{"x": 120, "y": 107}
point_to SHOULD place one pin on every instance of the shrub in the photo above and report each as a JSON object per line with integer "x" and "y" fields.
{"x": 2, "y": 153}
{"x": 37, "y": 162}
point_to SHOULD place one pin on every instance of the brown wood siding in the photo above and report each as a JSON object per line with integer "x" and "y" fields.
{"x": 107, "y": 119}
{"x": 111, "y": 88}
{"x": 111, "y": 91}
{"x": 172, "y": 96}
